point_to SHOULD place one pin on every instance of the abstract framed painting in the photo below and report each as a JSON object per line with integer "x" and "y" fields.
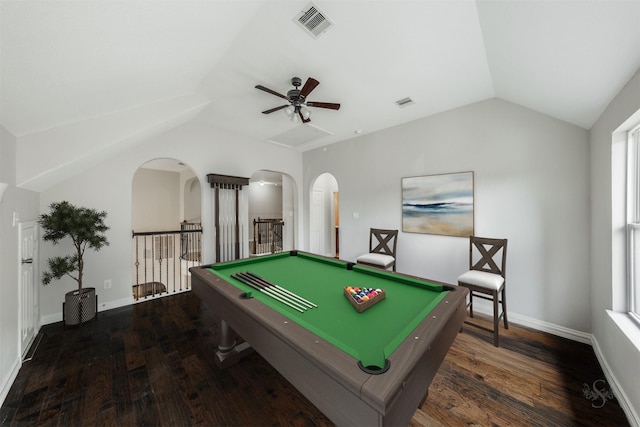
{"x": 438, "y": 204}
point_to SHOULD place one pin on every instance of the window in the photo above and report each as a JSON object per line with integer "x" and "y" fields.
{"x": 633, "y": 223}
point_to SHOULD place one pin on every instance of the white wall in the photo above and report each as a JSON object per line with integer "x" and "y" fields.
{"x": 607, "y": 269}
{"x": 25, "y": 205}
{"x": 156, "y": 200}
{"x": 108, "y": 187}
{"x": 265, "y": 201}
{"x": 531, "y": 186}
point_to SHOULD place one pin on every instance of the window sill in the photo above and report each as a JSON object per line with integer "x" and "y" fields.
{"x": 629, "y": 327}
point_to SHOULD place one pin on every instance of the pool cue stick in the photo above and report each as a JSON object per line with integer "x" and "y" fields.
{"x": 266, "y": 292}
{"x": 286, "y": 291}
{"x": 275, "y": 291}
{"x": 298, "y": 297}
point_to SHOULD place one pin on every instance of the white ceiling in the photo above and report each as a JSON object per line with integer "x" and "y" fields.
{"x": 68, "y": 62}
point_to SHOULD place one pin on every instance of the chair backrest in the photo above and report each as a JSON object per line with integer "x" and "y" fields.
{"x": 383, "y": 241}
{"x": 488, "y": 255}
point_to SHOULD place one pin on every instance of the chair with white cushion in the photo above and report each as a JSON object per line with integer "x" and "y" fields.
{"x": 382, "y": 249}
{"x": 486, "y": 278}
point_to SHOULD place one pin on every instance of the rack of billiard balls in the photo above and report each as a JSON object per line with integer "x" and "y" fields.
{"x": 362, "y": 298}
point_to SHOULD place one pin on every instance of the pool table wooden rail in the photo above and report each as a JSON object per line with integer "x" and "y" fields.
{"x": 329, "y": 377}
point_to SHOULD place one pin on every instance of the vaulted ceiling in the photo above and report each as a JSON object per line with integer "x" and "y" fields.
{"x": 71, "y": 68}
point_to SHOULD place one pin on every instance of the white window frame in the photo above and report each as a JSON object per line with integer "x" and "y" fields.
{"x": 633, "y": 224}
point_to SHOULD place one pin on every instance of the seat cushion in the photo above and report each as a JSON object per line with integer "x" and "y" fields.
{"x": 483, "y": 279}
{"x": 382, "y": 260}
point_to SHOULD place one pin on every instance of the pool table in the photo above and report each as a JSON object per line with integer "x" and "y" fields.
{"x": 359, "y": 368}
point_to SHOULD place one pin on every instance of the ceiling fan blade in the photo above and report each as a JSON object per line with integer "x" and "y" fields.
{"x": 329, "y": 105}
{"x": 302, "y": 117}
{"x": 272, "y": 92}
{"x": 309, "y": 85}
{"x": 275, "y": 109}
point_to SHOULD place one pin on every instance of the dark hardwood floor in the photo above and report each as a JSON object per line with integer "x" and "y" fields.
{"x": 151, "y": 364}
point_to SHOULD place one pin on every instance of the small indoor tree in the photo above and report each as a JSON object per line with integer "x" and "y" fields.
{"x": 85, "y": 227}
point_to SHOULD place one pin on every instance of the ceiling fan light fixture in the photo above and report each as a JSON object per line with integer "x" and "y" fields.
{"x": 298, "y": 104}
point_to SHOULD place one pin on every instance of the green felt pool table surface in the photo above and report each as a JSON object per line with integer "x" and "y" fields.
{"x": 370, "y": 336}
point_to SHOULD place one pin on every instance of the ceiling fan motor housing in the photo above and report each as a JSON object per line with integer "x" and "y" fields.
{"x": 293, "y": 94}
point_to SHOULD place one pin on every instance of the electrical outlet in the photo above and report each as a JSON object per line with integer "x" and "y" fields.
{"x": 107, "y": 284}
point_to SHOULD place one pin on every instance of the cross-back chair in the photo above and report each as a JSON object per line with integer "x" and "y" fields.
{"x": 486, "y": 278}
{"x": 382, "y": 249}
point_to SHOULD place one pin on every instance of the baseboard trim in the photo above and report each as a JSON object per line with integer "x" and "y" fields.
{"x": 6, "y": 386}
{"x": 623, "y": 399}
{"x": 539, "y": 325}
{"x": 57, "y": 317}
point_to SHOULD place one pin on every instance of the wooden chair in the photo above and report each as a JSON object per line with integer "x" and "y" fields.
{"x": 382, "y": 249}
{"x": 486, "y": 278}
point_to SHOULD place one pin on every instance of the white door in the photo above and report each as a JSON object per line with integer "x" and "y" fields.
{"x": 316, "y": 229}
{"x": 29, "y": 313}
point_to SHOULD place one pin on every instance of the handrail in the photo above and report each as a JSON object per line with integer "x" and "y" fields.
{"x": 151, "y": 233}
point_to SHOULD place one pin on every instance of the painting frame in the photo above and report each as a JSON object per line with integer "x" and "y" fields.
{"x": 441, "y": 204}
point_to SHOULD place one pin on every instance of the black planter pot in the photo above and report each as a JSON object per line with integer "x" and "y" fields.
{"x": 79, "y": 307}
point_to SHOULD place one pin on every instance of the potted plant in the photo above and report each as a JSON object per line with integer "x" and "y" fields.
{"x": 86, "y": 228}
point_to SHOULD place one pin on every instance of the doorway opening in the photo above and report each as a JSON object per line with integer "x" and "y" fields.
{"x": 271, "y": 213}
{"x": 167, "y": 228}
{"x": 324, "y": 216}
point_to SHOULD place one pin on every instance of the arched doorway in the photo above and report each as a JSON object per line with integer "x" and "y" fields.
{"x": 271, "y": 212}
{"x": 167, "y": 228}
{"x": 324, "y": 216}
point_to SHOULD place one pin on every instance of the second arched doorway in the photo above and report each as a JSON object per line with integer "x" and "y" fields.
{"x": 324, "y": 216}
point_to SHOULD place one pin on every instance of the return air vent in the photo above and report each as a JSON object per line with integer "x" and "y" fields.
{"x": 405, "y": 102}
{"x": 313, "y": 21}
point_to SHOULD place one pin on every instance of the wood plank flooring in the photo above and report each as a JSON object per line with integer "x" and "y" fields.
{"x": 151, "y": 365}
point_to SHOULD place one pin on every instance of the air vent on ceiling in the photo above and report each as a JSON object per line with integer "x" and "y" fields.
{"x": 405, "y": 102}
{"x": 313, "y": 21}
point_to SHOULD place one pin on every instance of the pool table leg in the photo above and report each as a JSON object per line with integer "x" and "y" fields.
{"x": 229, "y": 353}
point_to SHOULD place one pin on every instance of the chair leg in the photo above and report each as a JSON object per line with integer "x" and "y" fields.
{"x": 471, "y": 303}
{"x": 496, "y": 318}
{"x": 504, "y": 309}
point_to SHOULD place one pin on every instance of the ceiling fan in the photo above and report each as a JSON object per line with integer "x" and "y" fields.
{"x": 298, "y": 99}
